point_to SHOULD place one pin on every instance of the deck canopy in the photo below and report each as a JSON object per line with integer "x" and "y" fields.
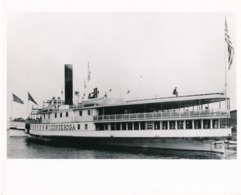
{"x": 160, "y": 104}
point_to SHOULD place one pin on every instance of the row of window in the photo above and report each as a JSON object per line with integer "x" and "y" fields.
{"x": 59, "y": 127}
{"x": 188, "y": 124}
{"x": 56, "y": 115}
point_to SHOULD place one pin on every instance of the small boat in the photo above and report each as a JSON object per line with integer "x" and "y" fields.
{"x": 17, "y": 127}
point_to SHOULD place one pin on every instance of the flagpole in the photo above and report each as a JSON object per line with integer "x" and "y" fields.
{"x": 28, "y": 104}
{"x": 225, "y": 64}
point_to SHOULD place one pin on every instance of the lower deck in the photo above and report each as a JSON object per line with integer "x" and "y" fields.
{"x": 195, "y": 124}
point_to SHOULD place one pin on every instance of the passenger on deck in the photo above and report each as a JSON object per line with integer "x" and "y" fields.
{"x": 175, "y": 92}
{"x": 105, "y": 95}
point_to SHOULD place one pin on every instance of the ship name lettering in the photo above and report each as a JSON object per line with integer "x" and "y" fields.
{"x": 61, "y": 127}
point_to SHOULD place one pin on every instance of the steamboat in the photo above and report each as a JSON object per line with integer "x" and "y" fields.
{"x": 186, "y": 122}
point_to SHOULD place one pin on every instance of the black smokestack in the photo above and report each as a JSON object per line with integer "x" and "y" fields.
{"x": 68, "y": 75}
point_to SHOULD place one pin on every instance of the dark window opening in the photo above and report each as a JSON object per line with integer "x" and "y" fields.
{"x": 67, "y": 114}
{"x": 78, "y": 126}
{"x": 172, "y": 124}
{"x": 123, "y": 126}
{"x": 129, "y": 126}
{"x": 215, "y": 123}
{"x": 112, "y": 126}
{"x": 136, "y": 126}
{"x": 80, "y": 112}
{"x": 106, "y": 126}
{"x": 180, "y": 124}
{"x": 224, "y": 123}
{"x": 197, "y": 124}
{"x": 117, "y": 126}
{"x": 143, "y": 125}
{"x": 189, "y": 124}
{"x": 164, "y": 125}
{"x": 157, "y": 125}
{"x": 206, "y": 124}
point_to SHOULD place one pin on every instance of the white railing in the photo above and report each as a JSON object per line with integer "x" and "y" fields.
{"x": 162, "y": 115}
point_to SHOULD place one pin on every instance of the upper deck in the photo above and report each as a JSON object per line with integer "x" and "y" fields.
{"x": 160, "y": 103}
{"x": 106, "y": 106}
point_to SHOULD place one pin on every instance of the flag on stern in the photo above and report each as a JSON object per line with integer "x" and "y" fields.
{"x": 17, "y": 99}
{"x": 31, "y": 99}
{"x": 229, "y": 44}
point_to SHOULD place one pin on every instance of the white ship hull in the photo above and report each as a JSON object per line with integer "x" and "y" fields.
{"x": 200, "y": 140}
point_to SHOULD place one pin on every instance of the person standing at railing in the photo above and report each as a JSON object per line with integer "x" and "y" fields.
{"x": 175, "y": 92}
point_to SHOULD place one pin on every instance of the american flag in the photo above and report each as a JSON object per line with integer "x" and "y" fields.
{"x": 230, "y": 47}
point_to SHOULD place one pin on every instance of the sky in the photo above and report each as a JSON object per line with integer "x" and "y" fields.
{"x": 146, "y": 53}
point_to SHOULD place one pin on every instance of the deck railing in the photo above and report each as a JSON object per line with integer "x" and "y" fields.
{"x": 162, "y": 115}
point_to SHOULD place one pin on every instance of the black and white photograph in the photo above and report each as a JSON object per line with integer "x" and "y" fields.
{"x": 120, "y": 98}
{"x": 122, "y": 85}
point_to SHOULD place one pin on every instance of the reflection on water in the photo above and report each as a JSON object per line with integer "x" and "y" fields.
{"x": 22, "y": 148}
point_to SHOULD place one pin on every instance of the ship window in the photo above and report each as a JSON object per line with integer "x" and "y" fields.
{"x": 80, "y": 112}
{"x": 143, "y": 125}
{"x": 67, "y": 114}
{"x": 189, "y": 124}
{"x": 55, "y": 115}
{"x": 215, "y": 123}
{"x": 206, "y": 124}
{"x": 49, "y": 116}
{"x": 44, "y": 116}
{"x": 101, "y": 127}
{"x": 224, "y": 123}
{"x": 60, "y": 115}
{"x": 157, "y": 125}
{"x": 197, "y": 124}
{"x": 164, "y": 125}
{"x": 129, "y": 126}
{"x": 86, "y": 126}
{"x": 123, "y": 126}
{"x": 117, "y": 126}
{"x": 172, "y": 124}
{"x": 89, "y": 113}
{"x": 78, "y": 126}
{"x": 106, "y": 126}
{"x": 46, "y": 127}
{"x": 180, "y": 124}
{"x": 97, "y": 127}
{"x": 112, "y": 126}
{"x": 136, "y": 125}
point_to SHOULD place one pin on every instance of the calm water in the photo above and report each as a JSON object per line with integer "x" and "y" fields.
{"x": 21, "y": 148}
